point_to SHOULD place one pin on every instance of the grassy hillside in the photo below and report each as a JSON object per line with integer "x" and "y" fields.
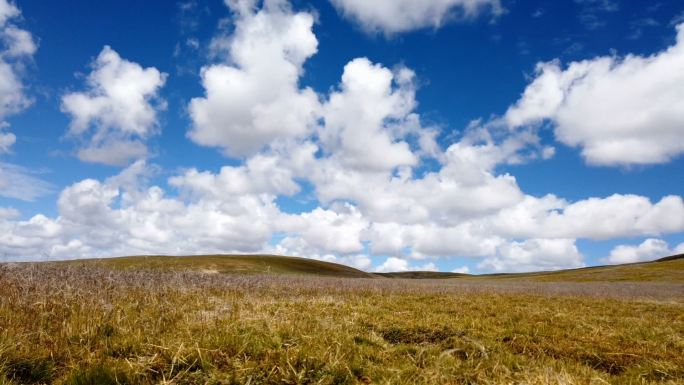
{"x": 228, "y": 264}
{"x": 670, "y": 269}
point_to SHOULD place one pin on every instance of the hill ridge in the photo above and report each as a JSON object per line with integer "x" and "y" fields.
{"x": 669, "y": 268}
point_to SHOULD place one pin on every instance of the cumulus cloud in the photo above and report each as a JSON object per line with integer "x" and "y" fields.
{"x": 461, "y": 270}
{"x": 117, "y": 111}
{"x": 361, "y": 119}
{"x": 594, "y": 218}
{"x": 619, "y": 111}
{"x": 18, "y": 47}
{"x": 394, "y": 16}
{"x": 261, "y": 174}
{"x": 7, "y": 139}
{"x": 648, "y": 250}
{"x": 534, "y": 254}
{"x": 254, "y": 98}
{"x": 122, "y": 215}
{"x": 337, "y": 230}
{"x": 394, "y": 264}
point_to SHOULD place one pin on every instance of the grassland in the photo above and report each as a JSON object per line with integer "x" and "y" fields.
{"x": 128, "y": 322}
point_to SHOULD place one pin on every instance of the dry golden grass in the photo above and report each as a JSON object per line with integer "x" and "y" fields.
{"x": 63, "y": 324}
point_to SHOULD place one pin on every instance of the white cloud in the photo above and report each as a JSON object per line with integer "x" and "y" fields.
{"x": 595, "y": 218}
{"x": 256, "y": 98}
{"x": 619, "y": 111}
{"x": 122, "y": 216}
{"x": 359, "y": 261}
{"x": 120, "y": 106}
{"x": 8, "y": 11}
{"x": 394, "y": 264}
{"x": 20, "y": 183}
{"x": 359, "y": 119}
{"x": 648, "y": 250}
{"x": 19, "y": 42}
{"x": 261, "y": 174}
{"x": 8, "y": 213}
{"x": 679, "y": 249}
{"x": 113, "y": 152}
{"x": 461, "y": 270}
{"x": 534, "y": 254}
{"x": 18, "y": 49}
{"x": 7, "y": 139}
{"x": 394, "y": 16}
{"x": 234, "y": 210}
{"x": 336, "y": 230}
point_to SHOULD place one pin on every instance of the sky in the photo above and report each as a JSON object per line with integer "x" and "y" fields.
{"x": 472, "y": 136}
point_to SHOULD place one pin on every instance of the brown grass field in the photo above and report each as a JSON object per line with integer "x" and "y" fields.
{"x": 275, "y": 320}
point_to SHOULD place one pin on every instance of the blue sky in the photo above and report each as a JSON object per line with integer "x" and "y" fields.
{"x": 476, "y": 136}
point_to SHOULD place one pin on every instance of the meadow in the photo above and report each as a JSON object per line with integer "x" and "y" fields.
{"x": 141, "y": 321}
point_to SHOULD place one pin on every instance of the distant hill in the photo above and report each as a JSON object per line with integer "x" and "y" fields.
{"x": 423, "y": 275}
{"x": 229, "y": 264}
{"x": 668, "y": 269}
{"x": 671, "y": 258}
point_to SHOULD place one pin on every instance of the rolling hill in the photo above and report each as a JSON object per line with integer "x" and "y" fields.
{"x": 668, "y": 269}
{"x": 229, "y": 264}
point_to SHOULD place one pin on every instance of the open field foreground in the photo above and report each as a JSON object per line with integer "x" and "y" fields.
{"x": 74, "y": 324}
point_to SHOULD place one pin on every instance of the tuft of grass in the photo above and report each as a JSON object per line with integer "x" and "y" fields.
{"x": 96, "y": 324}
{"x": 99, "y": 374}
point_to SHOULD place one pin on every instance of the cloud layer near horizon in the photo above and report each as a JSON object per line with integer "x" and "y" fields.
{"x": 363, "y": 149}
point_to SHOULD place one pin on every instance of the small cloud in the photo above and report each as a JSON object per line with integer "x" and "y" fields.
{"x": 591, "y": 12}
{"x": 117, "y": 111}
{"x": 637, "y": 27}
{"x": 648, "y": 250}
{"x": 20, "y": 183}
{"x": 523, "y": 47}
{"x": 538, "y": 13}
{"x": 678, "y": 19}
{"x": 574, "y": 49}
{"x": 8, "y": 213}
{"x": 394, "y": 265}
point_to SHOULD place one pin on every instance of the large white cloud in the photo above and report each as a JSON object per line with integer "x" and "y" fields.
{"x": 619, "y": 111}
{"x": 255, "y": 98}
{"x": 393, "y": 16}
{"x": 360, "y": 118}
{"x": 594, "y": 218}
{"x": 648, "y": 250}
{"x": 122, "y": 215}
{"x": 117, "y": 111}
{"x": 534, "y": 254}
{"x": 261, "y": 174}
